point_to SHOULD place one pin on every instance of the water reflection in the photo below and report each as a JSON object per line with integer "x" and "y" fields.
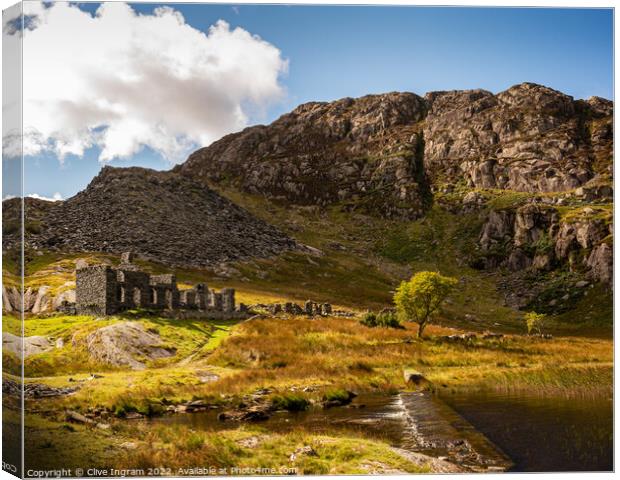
{"x": 544, "y": 434}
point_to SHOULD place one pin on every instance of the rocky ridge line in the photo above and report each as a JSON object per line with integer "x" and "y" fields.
{"x": 383, "y": 153}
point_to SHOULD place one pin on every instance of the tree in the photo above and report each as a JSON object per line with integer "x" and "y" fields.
{"x": 535, "y": 322}
{"x": 419, "y": 298}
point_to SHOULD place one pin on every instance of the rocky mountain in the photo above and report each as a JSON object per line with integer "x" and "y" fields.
{"x": 395, "y": 154}
{"x": 160, "y": 215}
{"x": 390, "y": 155}
{"x": 367, "y": 151}
{"x": 528, "y": 138}
{"x": 384, "y": 153}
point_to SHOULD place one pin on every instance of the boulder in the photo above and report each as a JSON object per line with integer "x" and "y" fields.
{"x": 601, "y": 263}
{"x": 414, "y": 377}
{"x": 126, "y": 344}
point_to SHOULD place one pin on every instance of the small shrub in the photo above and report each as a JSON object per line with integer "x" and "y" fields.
{"x": 383, "y": 319}
{"x": 369, "y": 319}
{"x": 388, "y": 320}
{"x": 535, "y": 322}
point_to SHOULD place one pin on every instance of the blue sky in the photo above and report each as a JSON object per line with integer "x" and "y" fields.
{"x": 335, "y": 52}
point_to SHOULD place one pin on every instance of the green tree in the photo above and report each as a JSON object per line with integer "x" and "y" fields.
{"x": 419, "y": 298}
{"x": 535, "y": 322}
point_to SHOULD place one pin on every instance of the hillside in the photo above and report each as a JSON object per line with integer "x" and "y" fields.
{"x": 385, "y": 153}
{"x": 159, "y": 215}
{"x": 530, "y": 169}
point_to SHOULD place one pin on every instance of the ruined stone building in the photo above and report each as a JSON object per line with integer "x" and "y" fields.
{"x": 104, "y": 290}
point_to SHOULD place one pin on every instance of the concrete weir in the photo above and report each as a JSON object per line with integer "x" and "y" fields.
{"x": 435, "y": 429}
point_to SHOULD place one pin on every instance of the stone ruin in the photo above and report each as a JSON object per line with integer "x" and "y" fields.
{"x": 309, "y": 308}
{"x": 104, "y": 290}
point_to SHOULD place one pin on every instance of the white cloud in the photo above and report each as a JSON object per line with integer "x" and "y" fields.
{"x": 122, "y": 81}
{"x": 57, "y": 197}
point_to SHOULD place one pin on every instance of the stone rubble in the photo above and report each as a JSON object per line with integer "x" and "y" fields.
{"x": 160, "y": 215}
{"x": 34, "y": 390}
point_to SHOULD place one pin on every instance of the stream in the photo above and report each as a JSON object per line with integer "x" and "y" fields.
{"x": 477, "y": 430}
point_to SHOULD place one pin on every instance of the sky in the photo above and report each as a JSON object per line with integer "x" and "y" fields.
{"x": 146, "y": 84}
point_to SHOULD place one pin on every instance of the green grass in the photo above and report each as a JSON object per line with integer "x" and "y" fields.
{"x": 337, "y": 395}
{"x": 293, "y": 402}
{"x": 190, "y": 337}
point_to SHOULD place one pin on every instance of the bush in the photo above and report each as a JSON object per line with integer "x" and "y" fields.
{"x": 388, "y": 320}
{"x": 535, "y": 322}
{"x": 383, "y": 319}
{"x": 369, "y": 319}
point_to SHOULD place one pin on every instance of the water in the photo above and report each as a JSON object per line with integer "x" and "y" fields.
{"x": 542, "y": 434}
{"x": 481, "y": 431}
{"x": 417, "y": 422}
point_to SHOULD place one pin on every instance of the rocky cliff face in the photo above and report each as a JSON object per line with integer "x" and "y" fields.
{"x": 528, "y": 138}
{"x": 384, "y": 153}
{"x": 160, "y": 215}
{"x": 538, "y": 236}
{"x": 551, "y": 246}
{"x": 366, "y": 151}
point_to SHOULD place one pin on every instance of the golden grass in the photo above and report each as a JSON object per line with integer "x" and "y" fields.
{"x": 174, "y": 450}
{"x": 273, "y": 352}
{"x": 340, "y": 353}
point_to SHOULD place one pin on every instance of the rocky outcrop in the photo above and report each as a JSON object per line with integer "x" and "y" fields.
{"x": 379, "y": 152}
{"x": 366, "y": 152}
{"x": 161, "y": 216}
{"x": 601, "y": 263}
{"x": 536, "y": 236}
{"x": 528, "y": 138}
{"x": 11, "y": 299}
{"x": 126, "y": 344}
{"x": 33, "y": 390}
{"x": 26, "y": 346}
{"x": 36, "y": 300}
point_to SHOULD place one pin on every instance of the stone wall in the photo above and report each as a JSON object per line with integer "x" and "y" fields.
{"x": 96, "y": 290}
{"x": 103, "y": 290}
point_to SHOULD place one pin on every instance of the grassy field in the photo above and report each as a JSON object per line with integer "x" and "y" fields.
{"x": 287, "y": 354}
